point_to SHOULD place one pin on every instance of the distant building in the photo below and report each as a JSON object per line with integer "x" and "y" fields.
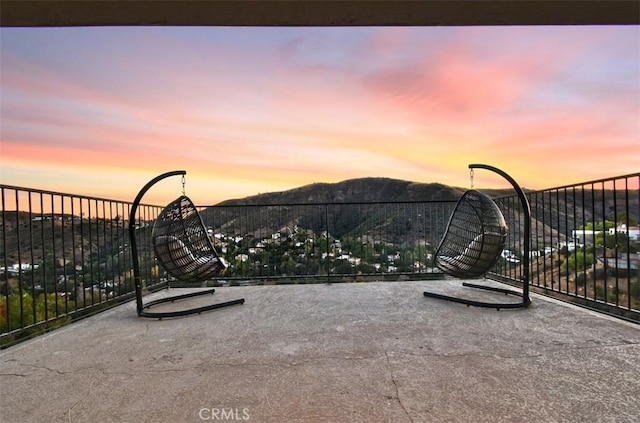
{"x": 570, "y": 246}
{"x": 510, "y": 256}
{"x": 633, "y": 232}
{"x": 622, "y": 261}
{"x": 584, "y": 236}
{"x": 20, "y": 267}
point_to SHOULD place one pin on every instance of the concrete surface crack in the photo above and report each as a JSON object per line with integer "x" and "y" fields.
{"x": 395, "y": 385}
{"x": 431, "y": 353}
{"x": 363, "y": 310}
{"x": 14, "y": 374}
{"x": 33, "y": 366}
{"x": 93, "y": 381}
{"x": 328, "y": 358}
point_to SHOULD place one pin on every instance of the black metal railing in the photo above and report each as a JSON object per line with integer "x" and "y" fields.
{"x": 327, "y": 241}
{"x": 585, "y": 244}
{"x": 63, "y": 256}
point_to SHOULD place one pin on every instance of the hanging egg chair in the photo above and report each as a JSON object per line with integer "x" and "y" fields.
{"x": 473, "y": 242}
{"x": 182, "y": 244}
{"x": 474, "y": 238}
{"x": 182, "y": 247}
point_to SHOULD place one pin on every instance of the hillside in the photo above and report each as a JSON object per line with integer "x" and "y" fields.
{"x": 361, "y": 190}
{"x": 369, "y": 207}
{"x": 552, "y": 216}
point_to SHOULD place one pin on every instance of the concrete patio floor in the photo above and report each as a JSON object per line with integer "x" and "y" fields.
{"x": 362, "y": 352}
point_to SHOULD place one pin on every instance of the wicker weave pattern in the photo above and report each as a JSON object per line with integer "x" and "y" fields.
{"x": 182, "y": 245}
{"x": 474, "y": 238}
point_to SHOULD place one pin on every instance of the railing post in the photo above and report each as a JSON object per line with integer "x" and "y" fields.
{"x": 326, "y": 230}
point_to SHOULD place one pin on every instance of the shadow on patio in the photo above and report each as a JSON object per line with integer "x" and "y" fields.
{"x": 372, "y": 352}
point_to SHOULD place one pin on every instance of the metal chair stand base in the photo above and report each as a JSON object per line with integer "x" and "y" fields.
{"x": 142, "y": 309}
{"x": 523, "y": 304}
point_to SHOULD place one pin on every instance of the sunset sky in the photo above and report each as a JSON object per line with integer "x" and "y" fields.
{"x": 101, "y": 111}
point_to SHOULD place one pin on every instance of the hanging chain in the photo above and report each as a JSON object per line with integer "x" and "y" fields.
{"x": 471, "y": 177}
{"x": 184, "y": 181}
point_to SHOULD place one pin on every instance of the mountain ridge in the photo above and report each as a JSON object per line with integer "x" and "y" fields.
{"x": 360, "y": 190}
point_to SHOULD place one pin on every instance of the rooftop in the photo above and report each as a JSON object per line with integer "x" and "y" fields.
{"x": 346, "y": 352}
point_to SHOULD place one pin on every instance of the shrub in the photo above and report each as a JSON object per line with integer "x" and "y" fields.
{"x": 581, "y": 279}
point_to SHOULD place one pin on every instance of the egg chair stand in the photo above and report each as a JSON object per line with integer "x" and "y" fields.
{"x": 473, "y": 242}
{"x": 183, "y": 248}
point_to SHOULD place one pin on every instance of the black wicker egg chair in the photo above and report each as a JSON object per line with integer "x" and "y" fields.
{"x": 183, "y": 248}
{"x": 182, "y": 245}
{"x": 474, "y": 238}
{"x": 473, "y": 242}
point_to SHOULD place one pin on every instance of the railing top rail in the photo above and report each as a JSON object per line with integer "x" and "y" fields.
{"x": 346, "y": 203}
{"x": 66, "y": 194}
{"x": 595, "y": 181}
{"x": 528, "y": 191}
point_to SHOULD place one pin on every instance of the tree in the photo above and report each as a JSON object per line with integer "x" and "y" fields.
{"x": 20, "y": 310}
{"x": 618, "y": 239}
{"x": 628, "y": 220}
{"x": 598, "y": 226}
{"x": 579, "y": 260}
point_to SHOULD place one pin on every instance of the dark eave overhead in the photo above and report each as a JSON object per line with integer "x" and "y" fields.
{"x": 44, "y": 13}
